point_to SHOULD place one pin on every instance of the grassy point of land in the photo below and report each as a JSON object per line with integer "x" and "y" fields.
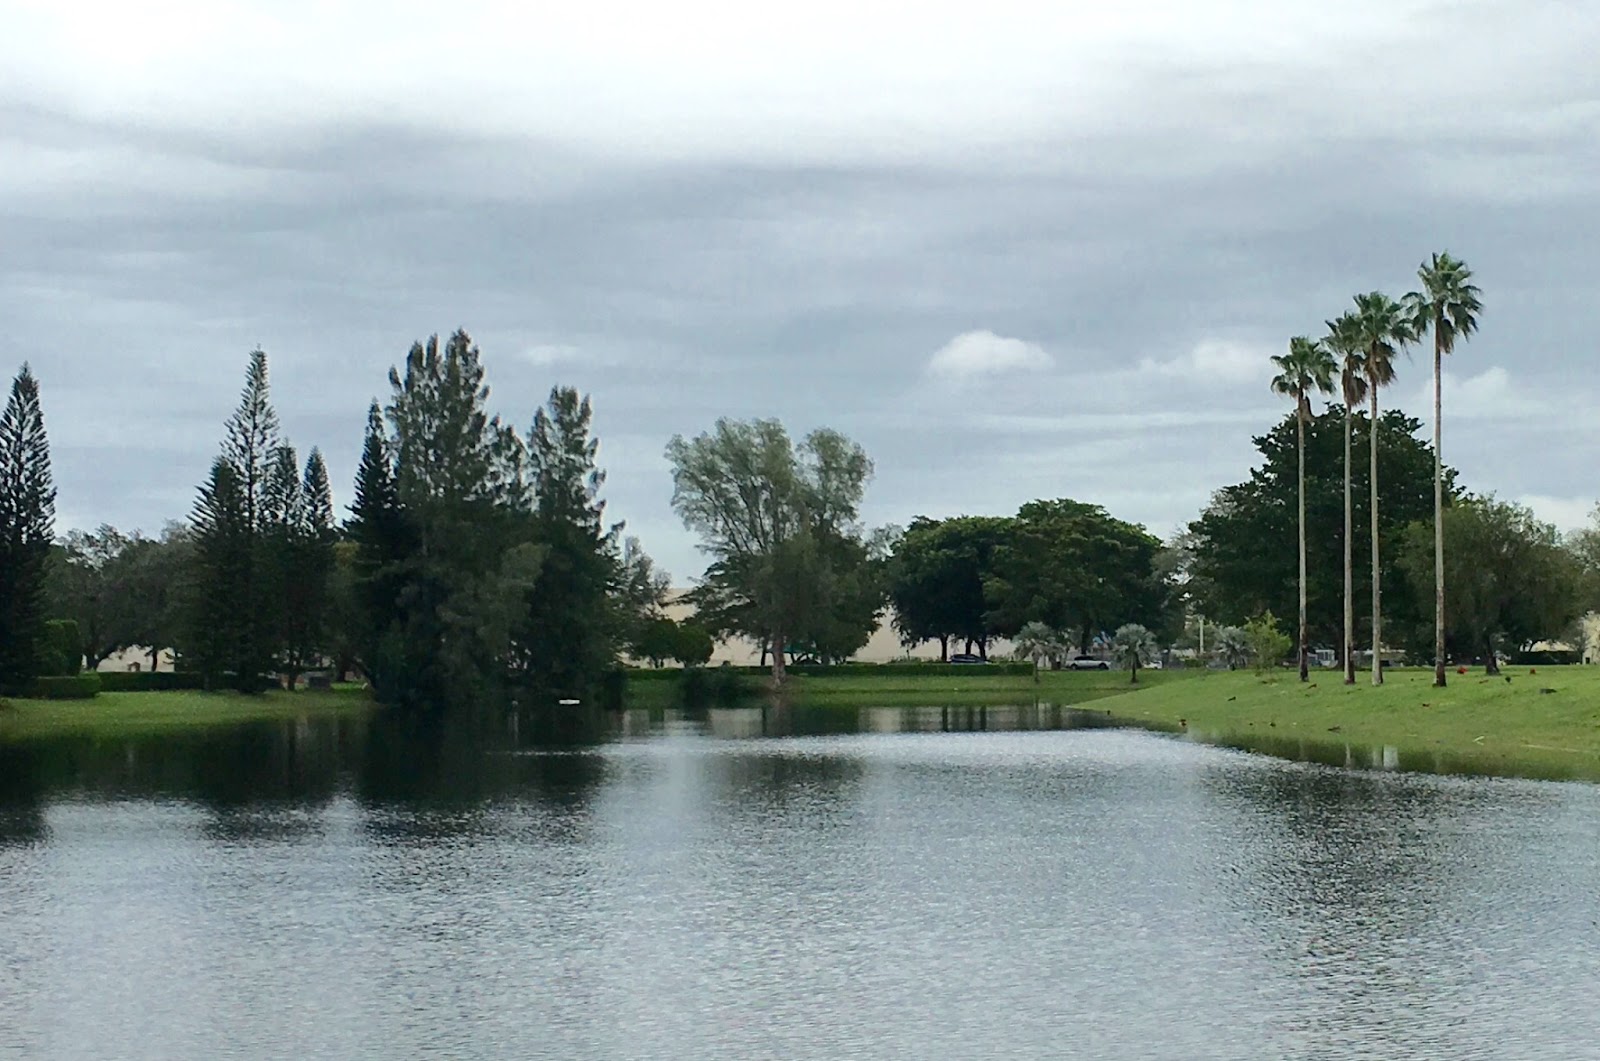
{"x": 123, "y": 714}
{"x": 1544, "y": 722}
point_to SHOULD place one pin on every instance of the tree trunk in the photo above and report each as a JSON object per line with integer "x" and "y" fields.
{"x": 1300, "y": 423}
{"x": 1349, "y": 581}
{"x": 1491, "y": 662}
{"x": 779, "y": 674}
{"x": 1134, "y": 672}
{"x": 944, "y": 648}
{"x": 1438, "y": 518}
{"x": 983, "y": 649}
{"x": 1377, "y": 589}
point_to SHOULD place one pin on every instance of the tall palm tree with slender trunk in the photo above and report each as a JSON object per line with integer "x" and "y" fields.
{"x": 1448, "y": 306}
{"x": 1343, "y": 341}
{"x": 1385, "y": 330}
{"x": 1307, "y": 367}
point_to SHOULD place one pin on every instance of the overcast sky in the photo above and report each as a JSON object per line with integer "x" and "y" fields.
{"x": 1015, "y": 250}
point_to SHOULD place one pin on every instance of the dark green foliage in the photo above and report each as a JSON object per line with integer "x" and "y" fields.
{"x": 27, "y": 522}
{"x": 569, "y": 632}
{"x": 716, "y": 686}
{"x": 222, "y": 639}
{"x": 61, "y": 649}
{"x": 1073, "y": 567}
{"x": 1242, "y": 551}
{"x": 936, "y": 579}
{"x": 790, "y": 569}
{"x": 660, "y": 639}
{"x": 150, "y": 681}
{"x": 1511, "y": 581}
{"x": 55, "y": 687}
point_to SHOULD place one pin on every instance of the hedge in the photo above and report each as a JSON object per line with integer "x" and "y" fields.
{"x": 73, "y": 687}
{"x": 150, "y": 681}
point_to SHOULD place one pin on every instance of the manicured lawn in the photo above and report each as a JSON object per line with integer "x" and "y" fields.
{"x": 1477, "y": 724}
{"x": 1057, "y": 687}
{"x": 129, "y": 714}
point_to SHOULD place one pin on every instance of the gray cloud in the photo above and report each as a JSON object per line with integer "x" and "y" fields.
{"x": 1153, "y": 217}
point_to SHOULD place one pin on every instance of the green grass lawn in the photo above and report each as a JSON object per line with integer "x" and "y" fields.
{"x": 1477, "y": 724}
{"x": 135, "y": 714}
{"x": 975, "y": 690}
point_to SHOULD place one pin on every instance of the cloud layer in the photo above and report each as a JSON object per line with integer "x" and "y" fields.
{"x": 708, "y": 210}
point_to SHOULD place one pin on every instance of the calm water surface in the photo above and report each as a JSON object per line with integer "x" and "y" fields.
{"x": 697, "y": 888}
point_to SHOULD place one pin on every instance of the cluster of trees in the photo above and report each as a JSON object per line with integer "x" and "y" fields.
{"x": 1067, "y": 567}
{"x": 1360, "y": 349}
{"x": 262, "y": 552}
{"x": 1514, "y": 579}
{"x": 482, "y": 561}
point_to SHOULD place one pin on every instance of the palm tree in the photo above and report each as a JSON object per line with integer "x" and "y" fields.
{"x": 1038, "y": 642}
{"x": 1134, "y": 646}
{"x": 1343, "y": 340}
{"x": 1384, "y": 330}
{"x": 1233, "y": 647}
{"x": 1448, "y": 306}
{"x": 1306, "y": 367}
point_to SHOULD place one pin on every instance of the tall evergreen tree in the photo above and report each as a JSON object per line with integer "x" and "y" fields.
{"x": 570, "y": 628}
{"x": 252, "y": 440}
{"x": 27, "y": 526}
{"x": 377, "y": 527}
{"x": 220, "y": 641}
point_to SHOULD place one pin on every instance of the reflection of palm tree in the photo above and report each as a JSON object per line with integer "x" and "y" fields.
{"x": 1306, "y": 367}
{"x": 1343, "y": 341}
{"x": 1448, "y": 306}
{"x": 1135, "y": 646}
{"x": 1384, "y": 329}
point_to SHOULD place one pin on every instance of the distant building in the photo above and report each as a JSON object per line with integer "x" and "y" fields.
{"x": 882, "y": 647}
{"x": 137, "y": 658}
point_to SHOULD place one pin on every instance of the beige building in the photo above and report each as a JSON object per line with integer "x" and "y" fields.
{"x": 883, "y": 647}
{"x": 137, "y": 658}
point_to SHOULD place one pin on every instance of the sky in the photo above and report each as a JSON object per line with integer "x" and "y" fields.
{"x": 1015, "y": 250}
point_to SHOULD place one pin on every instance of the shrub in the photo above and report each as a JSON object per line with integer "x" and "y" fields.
{"x": 1268, "y": 642}
{"x": 150, "y": 681}
{"x": 63, "y": 687}
{"x": 61, "y": 649}
{"x": 705, "y": 686}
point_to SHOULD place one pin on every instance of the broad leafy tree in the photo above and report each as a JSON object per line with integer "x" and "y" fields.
{"x": 777, "y": 520}
{"x": 1071, "y": 565}
{"x": 936, "y": 579}
{"x": 27, "y": 528}
{"x": 1512, "y": 581}
{"x": 1447, "y": 306}
{"x": 1307, "y": 368}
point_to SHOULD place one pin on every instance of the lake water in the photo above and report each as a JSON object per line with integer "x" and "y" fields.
{"x": 936, "y": 884}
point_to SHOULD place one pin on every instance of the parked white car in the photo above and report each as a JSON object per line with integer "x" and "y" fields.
{"x": 1087, "y": 663}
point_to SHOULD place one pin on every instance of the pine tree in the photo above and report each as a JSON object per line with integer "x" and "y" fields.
{"x": 252, "y": 440}
{"x": 27, "y": 525}
{"x": 308, "y": 571}
{"x": 220, "y": 624}
{"x": 571, "y": 626}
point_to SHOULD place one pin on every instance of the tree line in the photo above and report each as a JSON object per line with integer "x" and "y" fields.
{"x": 476, "y": 561}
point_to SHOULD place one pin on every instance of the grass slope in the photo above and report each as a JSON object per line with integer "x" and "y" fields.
{"x": 1057, "y": 687}
{"x": 130, "y": 714}
{"x": 1475, "y": 725}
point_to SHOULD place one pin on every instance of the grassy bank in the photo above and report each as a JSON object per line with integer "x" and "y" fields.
{"x": 121, "y": 714}
{"x": 1475, "y": 725}
{"x": 965, "y": 689}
